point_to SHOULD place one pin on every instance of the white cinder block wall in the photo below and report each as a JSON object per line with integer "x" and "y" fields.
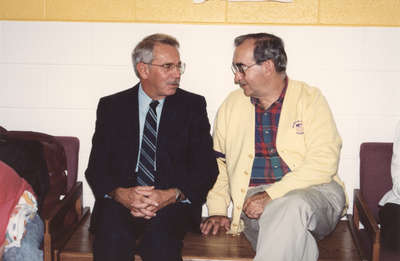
{"x": 52, "y": 75}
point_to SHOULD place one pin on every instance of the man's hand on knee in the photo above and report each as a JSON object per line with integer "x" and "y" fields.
{"x": 214, "y": 223}
{"x": 254, "y": 206}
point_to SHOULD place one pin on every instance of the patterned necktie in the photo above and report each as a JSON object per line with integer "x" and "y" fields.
{"x": 146, "y": 170}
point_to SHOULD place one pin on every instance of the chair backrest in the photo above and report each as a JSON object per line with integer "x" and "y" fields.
{"x": 375, "y": 177}
{"x": 71, "y": 147}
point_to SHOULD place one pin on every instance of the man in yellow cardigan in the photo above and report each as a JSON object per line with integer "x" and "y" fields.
{"x": 277, "y": 149}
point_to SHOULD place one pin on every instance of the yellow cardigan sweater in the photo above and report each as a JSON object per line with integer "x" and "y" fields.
{"x": 307, "y": 140}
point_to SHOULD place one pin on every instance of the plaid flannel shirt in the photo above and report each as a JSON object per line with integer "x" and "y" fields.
{"x": 268, "y": 166}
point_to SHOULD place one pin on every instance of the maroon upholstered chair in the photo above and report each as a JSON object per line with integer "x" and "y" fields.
{"x": 375, "y": 181}
{"x": 64, "y": 212}
{"x": 61, "y": 222}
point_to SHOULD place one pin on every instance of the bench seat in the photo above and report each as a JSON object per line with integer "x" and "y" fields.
{"x": 337, "y": 246}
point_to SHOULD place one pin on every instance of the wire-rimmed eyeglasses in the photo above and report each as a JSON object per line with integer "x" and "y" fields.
{"x": 241, "y": 68}
{"x": 169, "y": 67}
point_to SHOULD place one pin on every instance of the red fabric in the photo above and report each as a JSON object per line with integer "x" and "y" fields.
{"x": 11, "y": 188}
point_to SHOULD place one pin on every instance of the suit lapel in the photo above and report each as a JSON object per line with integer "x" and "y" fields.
{"x": 132, "y": 123}
{"x": 168, "y": 117}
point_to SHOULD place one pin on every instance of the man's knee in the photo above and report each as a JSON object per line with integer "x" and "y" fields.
{"x": 309, "y": 208}
{"x": 292, "y": 205}
{"x": 114, "y": 243}
{"x": 114, "y": 234}
{"x": 165, "y": 232}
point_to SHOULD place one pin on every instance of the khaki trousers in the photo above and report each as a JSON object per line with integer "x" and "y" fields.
{"x": 289, "y": 226}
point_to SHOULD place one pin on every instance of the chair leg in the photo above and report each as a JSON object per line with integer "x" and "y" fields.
{"x": 47, "y": 255}
{"x": 356, "y": 218}
{"x": 375, "y": 251}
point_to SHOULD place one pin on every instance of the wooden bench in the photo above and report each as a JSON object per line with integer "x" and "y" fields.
{"x": 337, "y": 246}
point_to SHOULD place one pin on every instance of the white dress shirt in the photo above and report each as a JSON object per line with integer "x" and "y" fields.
{"x": 393, "y": 195}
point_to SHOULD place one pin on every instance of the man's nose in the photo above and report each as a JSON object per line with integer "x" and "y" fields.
{"x": 238, "y": 77}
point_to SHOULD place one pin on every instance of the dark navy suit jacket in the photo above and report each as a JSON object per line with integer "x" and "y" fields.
{"x": 185, "y": 157}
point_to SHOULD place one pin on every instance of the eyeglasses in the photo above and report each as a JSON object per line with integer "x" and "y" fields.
{"x": 241, "y": 68}
{"x": 169, "y": 67}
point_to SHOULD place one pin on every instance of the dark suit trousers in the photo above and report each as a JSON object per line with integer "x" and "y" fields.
{"x": 389, "y": 216}
{"x": 160, "y": 237}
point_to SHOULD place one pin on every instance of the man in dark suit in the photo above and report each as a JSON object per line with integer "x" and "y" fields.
{"x": 152, "y": 161}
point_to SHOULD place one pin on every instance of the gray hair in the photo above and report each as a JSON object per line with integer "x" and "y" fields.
{"x": 266, "y": 47}
{"x": 143, "y": 51}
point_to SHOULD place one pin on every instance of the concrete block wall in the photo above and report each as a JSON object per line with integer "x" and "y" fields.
{"x": 53, "y": 73}
{"x": 58, "y": 57}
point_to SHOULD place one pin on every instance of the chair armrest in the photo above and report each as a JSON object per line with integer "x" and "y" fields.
{"x": 361, "y": 213}
{"x": 365, "y": 216}
{"x": 65, "y": 204}
{"x": 61, "y": 221}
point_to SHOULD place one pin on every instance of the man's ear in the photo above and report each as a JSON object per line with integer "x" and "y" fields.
{"x": 143, "y": 70}
{"x": 269, "y": 66}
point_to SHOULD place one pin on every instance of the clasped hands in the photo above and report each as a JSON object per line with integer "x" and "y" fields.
{"x": 253, "y": 207}
{"x": 144, "y": 201}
